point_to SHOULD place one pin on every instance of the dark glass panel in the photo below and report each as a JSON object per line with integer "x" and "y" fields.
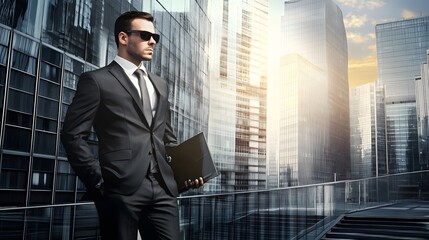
{"x": 4, "y": 35}
{"x": 2, "y": 75}
{"x": 13, "y": 179}
{"x": 50, "y": 72}
{"x": 63, "y": 111}
{"x": 46, "y": 124}
{"x": 47, "y": 108}
{"x": 68, "y": 96}
{"x": 11, "y": 198}
{"x": 45, "y": 143}
{"x": 63, "y": 218}
{"x": 70, "y": 80}
{"x": 38, "y": 219}
{"x": 11, "y": 222}
{"x": 64, "y": 197}
{"x": 14, "y": 172}
{"x": 25, "y": 45}
{"x": 20, "y": 101}
{"x": 51, "y": 56}
{"x": 19, "y": 119}
{"x": 17, "y": 139}
{"x": 49, "y": 90}
{"x": 42, "y": 174}
{"x": 2, "y": 82}
{"x": 66, "y": 179}
{"x": 3, "y": 54}
{"x": 22, "y": 81}
{"x": 24, "y": 62}
{"x": 86, "y": 222}
{"x": 73, "y": 65}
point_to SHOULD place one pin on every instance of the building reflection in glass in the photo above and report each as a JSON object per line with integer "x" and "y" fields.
{"x": 312, "y": 126}
{"x": 238, "y": 84}
{"x": 401, "y": 48}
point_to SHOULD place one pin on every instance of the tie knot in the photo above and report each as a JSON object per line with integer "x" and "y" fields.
{"x": 140, "y": 73}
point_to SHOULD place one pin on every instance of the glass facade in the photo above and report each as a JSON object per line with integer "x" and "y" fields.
{"x": 46, "y": 45}
{"x": 422, "y": 103}
{"x": 401, "y": 48}
{"x": 366, "y": 149}
{"x": 238, "y": 84}
{"x": 313, "y": 96}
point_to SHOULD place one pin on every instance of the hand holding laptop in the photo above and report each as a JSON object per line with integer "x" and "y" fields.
{"x": 199, "y": 182}
{"x": 192, "y": 163}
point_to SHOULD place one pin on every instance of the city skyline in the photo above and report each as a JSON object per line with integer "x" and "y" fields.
{"x": 360, "y": 18}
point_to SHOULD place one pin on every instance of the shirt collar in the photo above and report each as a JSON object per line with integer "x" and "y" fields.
{"x": 128, "y": 66}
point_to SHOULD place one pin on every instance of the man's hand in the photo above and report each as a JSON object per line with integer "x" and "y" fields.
{"x": 198, "y": 182}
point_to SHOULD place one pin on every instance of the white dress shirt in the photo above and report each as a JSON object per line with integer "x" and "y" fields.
{"x": 129, "y": 69}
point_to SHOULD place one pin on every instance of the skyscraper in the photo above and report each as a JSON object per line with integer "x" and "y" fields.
{"x": 238, "y": 78}
{"x": 422, "y": 104}
{"x": 313, "y": 121}
{"x": 401, "y": 48}
{"x": 367, "y": 147}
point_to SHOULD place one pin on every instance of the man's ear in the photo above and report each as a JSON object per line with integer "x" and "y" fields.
{"x": 123, "y": 38}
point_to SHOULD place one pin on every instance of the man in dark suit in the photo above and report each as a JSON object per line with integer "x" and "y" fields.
{"x": 132, "y": 184}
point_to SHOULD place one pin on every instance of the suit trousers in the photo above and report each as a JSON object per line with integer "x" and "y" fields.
{"x": 151, "y": 210}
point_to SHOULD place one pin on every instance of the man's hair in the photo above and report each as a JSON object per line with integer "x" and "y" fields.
{"x": 123, "y": 22}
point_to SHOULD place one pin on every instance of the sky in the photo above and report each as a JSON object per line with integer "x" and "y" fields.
{"x": 360, "y": 18}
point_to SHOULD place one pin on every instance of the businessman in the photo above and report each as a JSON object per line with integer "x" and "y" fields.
{"x": 132, "y": 184}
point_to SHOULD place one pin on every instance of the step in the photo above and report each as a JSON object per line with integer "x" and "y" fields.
{"x": 363, "y": 236}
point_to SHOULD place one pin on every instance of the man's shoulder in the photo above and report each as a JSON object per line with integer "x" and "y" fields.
{"x": 101, "y": 70}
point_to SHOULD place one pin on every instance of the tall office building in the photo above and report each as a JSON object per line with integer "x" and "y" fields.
{"x": 366, "y": 147}
{"x": 313, "y": 121}
{"x": 422, "y": 104}
{"x": 46, "y": 45}
{"x": 401, "y": 48}
{"x": 238, "y": 77}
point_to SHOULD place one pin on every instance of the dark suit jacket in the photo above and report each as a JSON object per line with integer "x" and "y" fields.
{"x": 107, "y": 99}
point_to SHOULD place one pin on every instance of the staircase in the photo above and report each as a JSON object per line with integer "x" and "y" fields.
{"x": 377, "y": 228}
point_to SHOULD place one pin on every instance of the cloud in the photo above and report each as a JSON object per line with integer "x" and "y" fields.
{"x": 359, "y": 38}
{"x": 363, "y": 70}
{"x": 373, "y": 48}
{"x": 355, "y": 37}
{"x": 408, "y": 13}
{"x": 369, "y": 4}
{"x": 354, "y": 21}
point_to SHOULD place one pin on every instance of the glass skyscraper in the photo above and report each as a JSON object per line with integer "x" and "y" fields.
{"x": 238, "y": 83}
{"x": 401, "y": 48}
{"x": 367, "y": 148}
{"x": 422, "y": 104}
{"x": 313, "y": 95}
{"x": 45, "y": 46}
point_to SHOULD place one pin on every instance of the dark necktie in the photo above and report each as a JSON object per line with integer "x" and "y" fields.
{"x": 147, "y": 109}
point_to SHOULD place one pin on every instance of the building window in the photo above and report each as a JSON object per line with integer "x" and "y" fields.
{"x": 45, "y": 143}
{"x": 17, "y": 139}
{"x": 42, "y": 173}
{"x": 14, "y": 172}
{"x": 22, "y": 81}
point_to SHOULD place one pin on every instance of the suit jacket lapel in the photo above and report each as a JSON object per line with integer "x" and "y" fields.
{"x": 123, "y": 79}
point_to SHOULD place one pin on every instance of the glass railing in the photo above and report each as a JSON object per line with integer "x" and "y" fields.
{"x": 303, "y": 212}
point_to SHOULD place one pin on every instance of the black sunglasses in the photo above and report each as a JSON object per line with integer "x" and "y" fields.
{"x": 145, "y": 35}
